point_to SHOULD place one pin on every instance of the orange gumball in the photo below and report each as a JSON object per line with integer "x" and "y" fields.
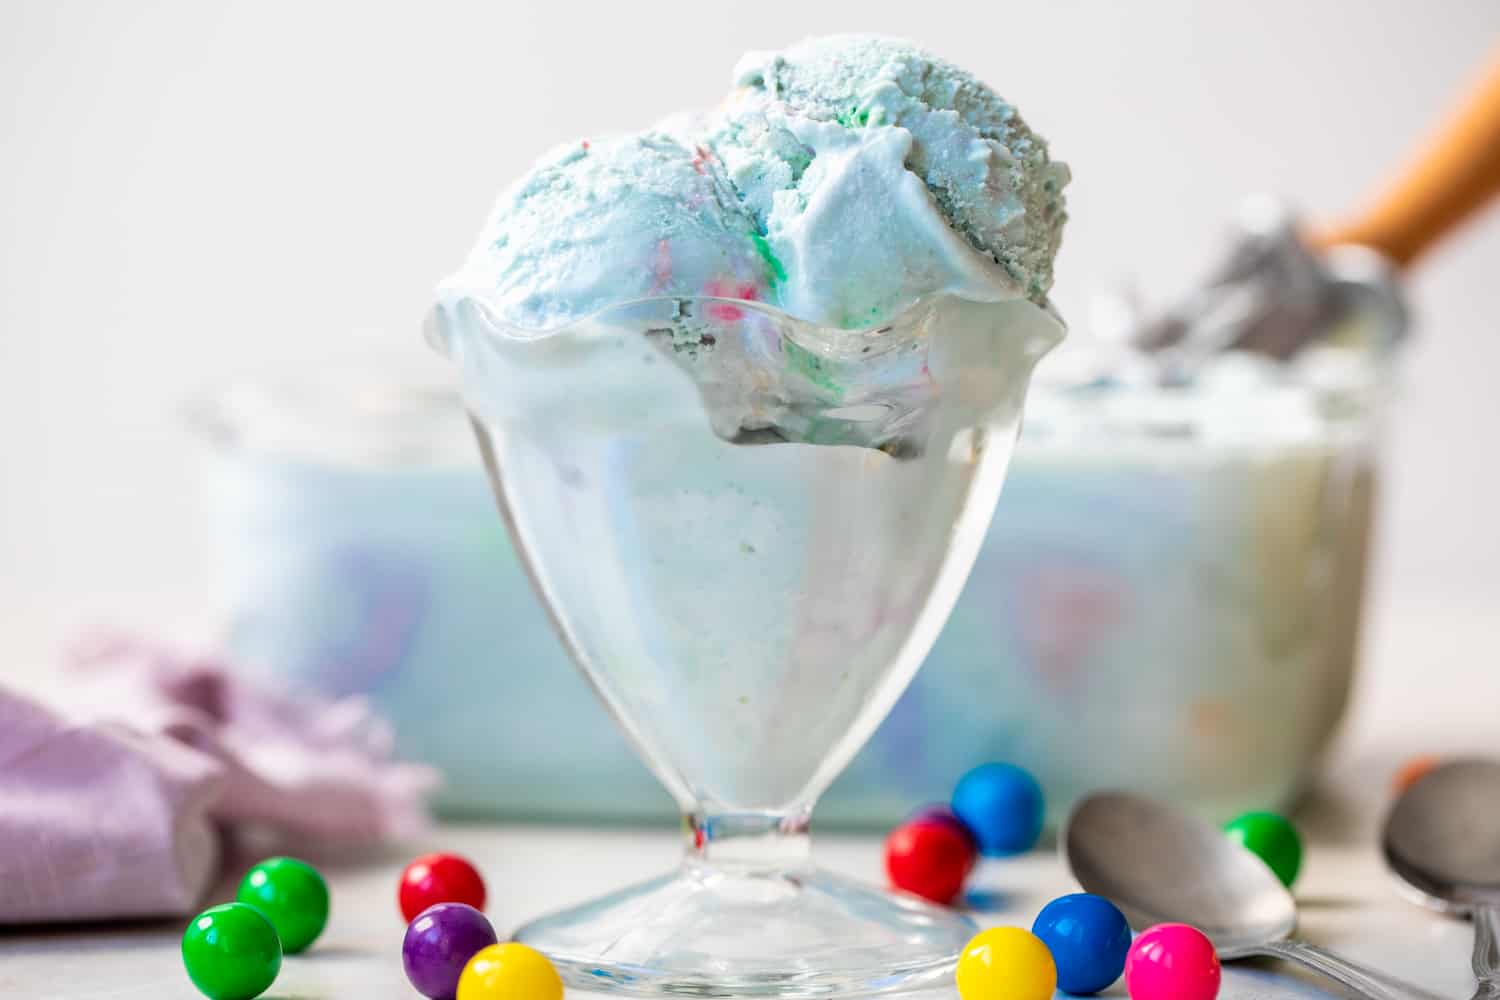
{"x": 1413, "y": 771}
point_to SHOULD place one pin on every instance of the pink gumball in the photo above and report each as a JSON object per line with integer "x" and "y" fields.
{"x": 1172, "y": 962}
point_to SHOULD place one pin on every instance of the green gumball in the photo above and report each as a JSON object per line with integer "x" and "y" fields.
{"x": 1273, "y": 839}
{"x": 292, "y": 896}
{"x": 231, "y": 952}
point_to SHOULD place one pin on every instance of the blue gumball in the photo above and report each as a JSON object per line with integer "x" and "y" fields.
{"x": 1002, "y": 805}
{"x": 1089, "y": 939}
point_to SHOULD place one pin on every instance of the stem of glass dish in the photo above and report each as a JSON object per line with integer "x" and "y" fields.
{"x": 747, "y": 843}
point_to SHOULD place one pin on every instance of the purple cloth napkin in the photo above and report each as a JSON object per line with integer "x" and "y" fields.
{"x": 116, "y": 804}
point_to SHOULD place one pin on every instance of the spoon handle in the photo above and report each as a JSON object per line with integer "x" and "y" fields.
{"x": 1355, "y": 977}
{"x": 1486, "y": 958}
{"x": 1451, "y": 179}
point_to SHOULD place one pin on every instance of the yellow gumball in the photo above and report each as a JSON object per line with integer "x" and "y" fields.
{"x": 509, "y": 971}
{"x": 1005, "y": 963}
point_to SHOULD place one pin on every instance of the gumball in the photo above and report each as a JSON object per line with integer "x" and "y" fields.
{"x": 1006, "y": 963}
{"x": 1089, "y": 938}
{"x": 439, "y": 878}
{"x": 439, "y": 943}
{"x": 942, "y": 814}
{"x": 509, "y": 972}
{"x": 1413, "y": 771}
{"x": 1002, "y": 805}
{"x": 1172, "y": 962}
{"x": 929, "y": 858}
{"x": 292, "y": 895}
{"x": 231, "y": 952}
{"x": 1273, "y": 839}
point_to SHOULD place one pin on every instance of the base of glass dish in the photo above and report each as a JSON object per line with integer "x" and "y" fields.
{"x": 708, "y": 931}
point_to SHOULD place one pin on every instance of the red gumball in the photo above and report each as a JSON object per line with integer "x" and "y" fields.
{"x": 439, "y": 878}
{"x": 930, "y": 858}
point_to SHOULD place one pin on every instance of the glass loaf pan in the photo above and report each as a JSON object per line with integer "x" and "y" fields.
{"x": 1168, "y": 599}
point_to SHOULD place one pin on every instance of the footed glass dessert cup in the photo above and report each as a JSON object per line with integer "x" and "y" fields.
{"x": 748, "y": 531}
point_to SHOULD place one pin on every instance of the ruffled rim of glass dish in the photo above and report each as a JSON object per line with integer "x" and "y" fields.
{"x": 829, "y": 341}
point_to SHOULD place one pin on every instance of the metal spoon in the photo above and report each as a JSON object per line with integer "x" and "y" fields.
{"x": 1272, "y": 294}
{"x": 1443, "y": 838}
{"x": 1275, "y": 291}
{"x": 1160, "y": 865}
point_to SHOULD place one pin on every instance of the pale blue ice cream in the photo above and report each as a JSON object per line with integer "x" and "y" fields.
{"x": 616, "y": 219}
{"x": 842, "y": 180}
{"x": 894, "y": 172}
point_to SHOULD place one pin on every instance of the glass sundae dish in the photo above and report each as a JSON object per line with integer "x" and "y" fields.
{"x": 747, "y": 443}
{"x": 749, "y": 531}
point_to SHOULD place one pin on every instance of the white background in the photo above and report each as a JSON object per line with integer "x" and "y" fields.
{"x": 190, "y": 189}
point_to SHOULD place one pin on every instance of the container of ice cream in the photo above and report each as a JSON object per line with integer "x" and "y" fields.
{"x": 1168, "y": 598}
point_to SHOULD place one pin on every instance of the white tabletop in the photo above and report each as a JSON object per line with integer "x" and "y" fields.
{"x": 1420, "y": 692}
{"x": 1346, "y": 905}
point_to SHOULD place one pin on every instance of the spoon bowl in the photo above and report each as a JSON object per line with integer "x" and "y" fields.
{"x": 1160, "y": 865}
{"x": 1442, "y": 838}
{"x": 1443, "y": 835}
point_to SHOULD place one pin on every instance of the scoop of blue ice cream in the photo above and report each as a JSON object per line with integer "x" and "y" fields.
{"x": 874, "y": 164}
{"x": 601, "y": 222}
{"x": 843, "y": 179}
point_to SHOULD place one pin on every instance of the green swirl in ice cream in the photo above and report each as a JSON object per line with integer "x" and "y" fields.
{"x": 843, "y": 179}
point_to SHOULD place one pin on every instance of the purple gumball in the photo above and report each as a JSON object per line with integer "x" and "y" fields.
{"x": 439, "y": 943}
{"x": 942, "y": 814}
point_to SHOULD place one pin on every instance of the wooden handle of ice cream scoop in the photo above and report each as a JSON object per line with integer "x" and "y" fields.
{"x": 1456, "y": 172}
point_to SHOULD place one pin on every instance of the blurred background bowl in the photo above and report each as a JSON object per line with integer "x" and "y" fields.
{"x": 1168, "y": 599}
